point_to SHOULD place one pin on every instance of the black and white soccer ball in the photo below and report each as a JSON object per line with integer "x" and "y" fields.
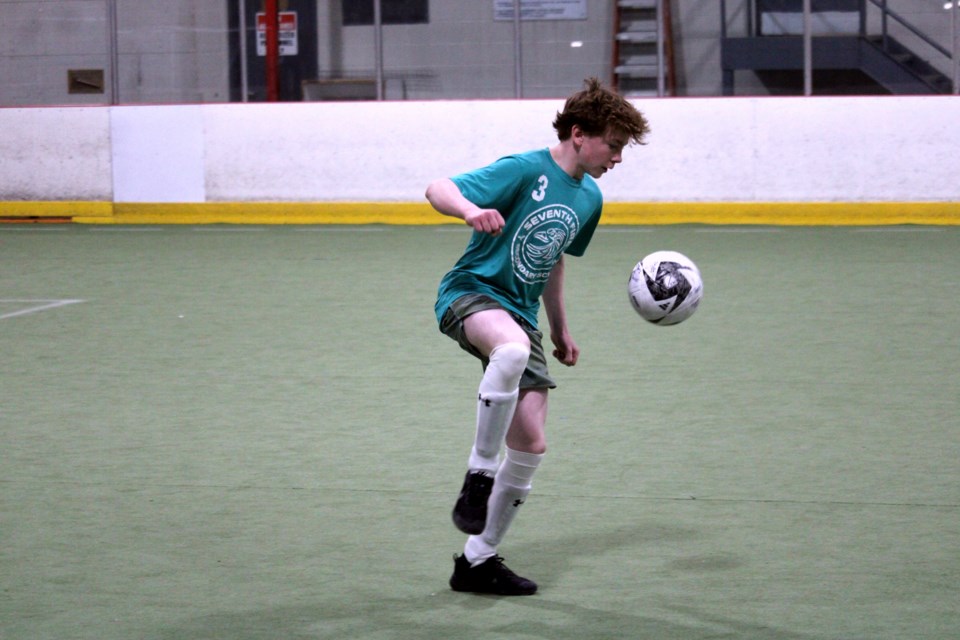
{"x": 665, "y": 287}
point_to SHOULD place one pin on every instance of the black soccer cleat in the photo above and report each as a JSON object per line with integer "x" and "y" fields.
{"x": 470, "y": 511}
{"x": 491, "y": 576}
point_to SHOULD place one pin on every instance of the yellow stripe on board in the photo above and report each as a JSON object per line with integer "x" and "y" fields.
{"x": 782, "y": 213}
{"x": 420, "y": 213}
{"x": 401, "y": 213}
{"x": 93, "y": 210}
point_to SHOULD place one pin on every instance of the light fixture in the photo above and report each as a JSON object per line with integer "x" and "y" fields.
{"x": 576, "y": 44}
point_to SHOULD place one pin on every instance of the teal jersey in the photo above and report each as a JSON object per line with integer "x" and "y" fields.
{"x": 546, "y": 213}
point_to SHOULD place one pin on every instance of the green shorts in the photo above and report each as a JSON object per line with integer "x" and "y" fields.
{"x": 535, "y": 376}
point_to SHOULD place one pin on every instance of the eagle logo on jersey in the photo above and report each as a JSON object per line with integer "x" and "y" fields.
{"x": 542, "y": 238}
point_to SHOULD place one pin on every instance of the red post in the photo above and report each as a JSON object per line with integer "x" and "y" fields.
{"x": 273, "y": 51}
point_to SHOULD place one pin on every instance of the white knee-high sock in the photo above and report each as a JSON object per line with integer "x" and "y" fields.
{"x": 510, "y": 489}
{"x": 497, "y": 400}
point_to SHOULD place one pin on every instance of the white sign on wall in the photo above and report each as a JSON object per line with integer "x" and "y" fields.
{"x": 541, "y": 9}
{"x": 287, "y": 24}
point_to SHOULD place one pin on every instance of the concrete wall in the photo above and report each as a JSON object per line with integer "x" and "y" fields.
{"x": 176, "y": 51}
{"x": 171, "y": 51}
{"x": 464, "y": 52}
{"x": 710, "y": 150}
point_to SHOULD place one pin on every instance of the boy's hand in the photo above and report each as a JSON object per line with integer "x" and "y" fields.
{"x": 485, "y": 221}
{"x": 565, "y": 350}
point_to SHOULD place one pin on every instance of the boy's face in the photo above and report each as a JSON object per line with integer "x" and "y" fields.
{"x": 599, "y": 154}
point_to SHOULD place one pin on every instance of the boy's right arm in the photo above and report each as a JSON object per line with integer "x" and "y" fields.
{"x": 446, "y": 198}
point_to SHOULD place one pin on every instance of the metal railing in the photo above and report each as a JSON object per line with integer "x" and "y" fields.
{"x": 887, "y": 16}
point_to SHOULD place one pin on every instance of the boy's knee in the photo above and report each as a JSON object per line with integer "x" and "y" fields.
{"x": 501, "y": 380}
{"x": 510, "y": 358}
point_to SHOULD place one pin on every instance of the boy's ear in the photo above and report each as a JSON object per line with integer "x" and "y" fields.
{"x": 576, "y": 137}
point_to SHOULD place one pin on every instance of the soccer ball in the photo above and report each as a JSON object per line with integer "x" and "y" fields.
{"x": 665, "y": 287}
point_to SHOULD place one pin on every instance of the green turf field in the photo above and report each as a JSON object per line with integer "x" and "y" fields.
{"x": 254, "y": 433}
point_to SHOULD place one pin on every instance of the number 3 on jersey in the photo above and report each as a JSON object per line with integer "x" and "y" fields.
{"x": 540, "y": 193}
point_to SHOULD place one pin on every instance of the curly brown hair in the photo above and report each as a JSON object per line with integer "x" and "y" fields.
{"x": 596, "y": 109}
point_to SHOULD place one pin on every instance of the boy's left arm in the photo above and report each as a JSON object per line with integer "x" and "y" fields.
{"x": 565, "y": 349}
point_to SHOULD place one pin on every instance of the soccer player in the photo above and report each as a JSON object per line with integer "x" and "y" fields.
{"x": 526, "y": 210}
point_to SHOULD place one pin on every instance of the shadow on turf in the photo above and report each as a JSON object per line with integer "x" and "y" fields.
{"x": 434, "y": 612}
{"x": 439, "y": 618}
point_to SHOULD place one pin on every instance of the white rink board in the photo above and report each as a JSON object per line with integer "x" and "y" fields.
{"x": 818, "y": 149}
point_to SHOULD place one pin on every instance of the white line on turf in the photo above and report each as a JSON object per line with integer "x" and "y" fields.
{"x": 103, "y": 229}
{"x": 39, "y": 305}
{"x": 896, "y": 229}
{"x": 242, "y": 229}
{"x": 349, "y": 228}
{"x": 738, "y": 230}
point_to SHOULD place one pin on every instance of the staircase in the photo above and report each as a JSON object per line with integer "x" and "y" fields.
{"x": 916, "y": 75}
{"x": 642, "y": 52}
{"x": 881, "y": 59}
